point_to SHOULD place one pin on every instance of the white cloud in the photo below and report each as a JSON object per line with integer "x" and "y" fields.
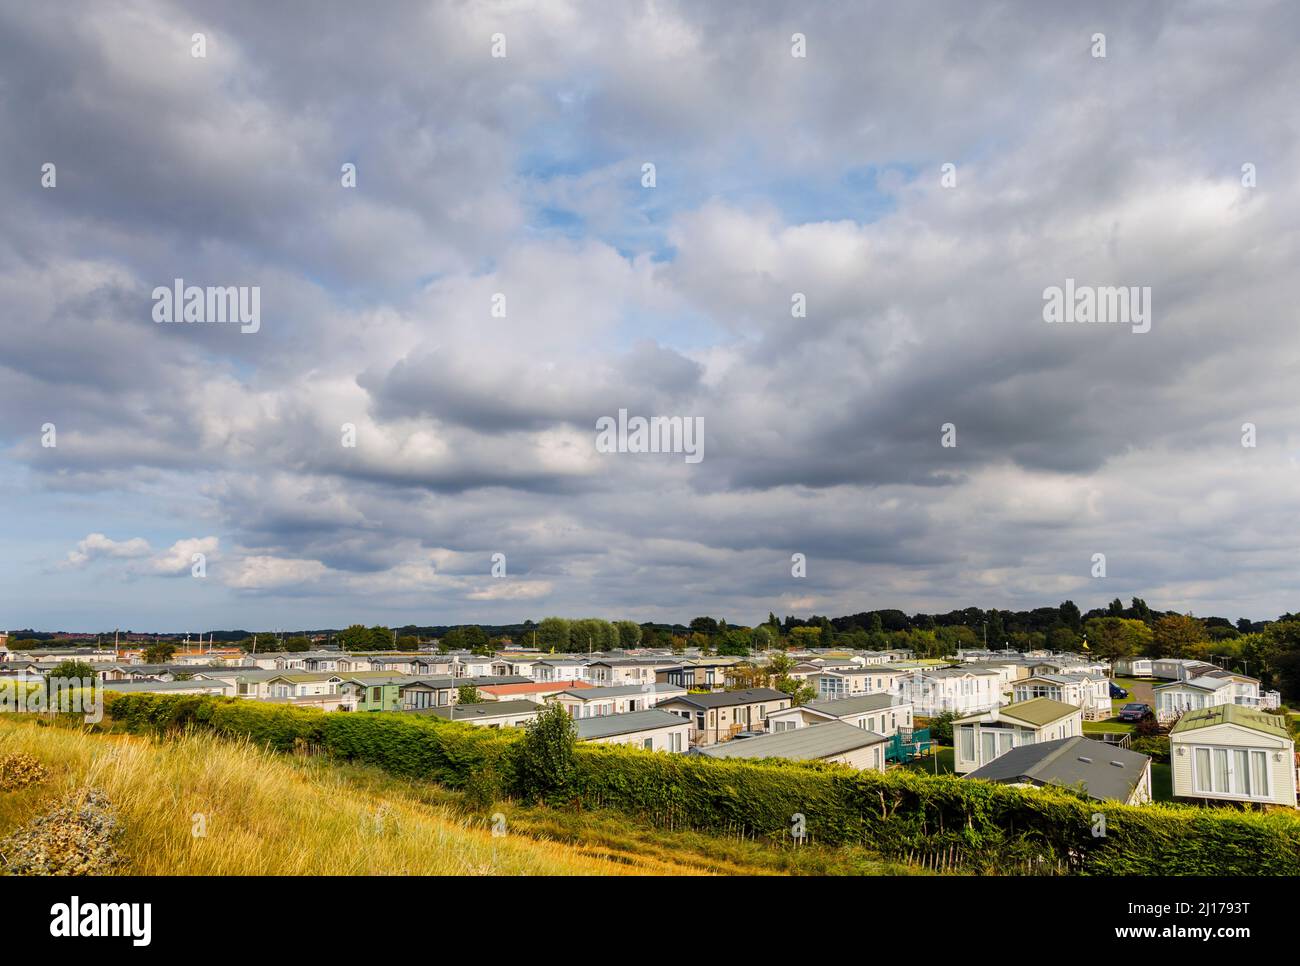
{"x": 96, "y": 546}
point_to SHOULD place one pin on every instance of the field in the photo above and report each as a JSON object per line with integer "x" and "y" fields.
{"x": 268, "y": 814}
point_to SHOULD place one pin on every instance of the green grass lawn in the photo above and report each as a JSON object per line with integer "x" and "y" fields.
{"x": 943, "y": 759}
{"x": 1110, "y": 724}
{"x": 1162, "y": 782}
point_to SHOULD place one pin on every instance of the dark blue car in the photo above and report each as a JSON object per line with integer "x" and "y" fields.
{"x": 1117, "y": 692}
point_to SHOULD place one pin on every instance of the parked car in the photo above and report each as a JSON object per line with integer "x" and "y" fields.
{"x": 1117, "y": 692}
{"x": 1134, "y": 711}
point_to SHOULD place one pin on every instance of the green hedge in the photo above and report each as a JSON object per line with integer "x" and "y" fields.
{"x": 896, "y": 812}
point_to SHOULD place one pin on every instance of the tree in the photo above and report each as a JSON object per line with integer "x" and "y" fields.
{"x": 704, "y": 625}
{"x": 1274, "y": 655}
{"x": 544, "y": 759}
{"x": 745, "y": 675}
{"x": 780, "y": 665}
{"x": 71, "y": 671}
{"x": 802, "y": 638}
{"x": 1070, "y": 616}
{"x": 801, "y": 692}
{"x": 997, "y": 634}
{"x": 453, "y": 640}
{"x": 1062, "y": 639}
{"x": 355, "y": 637}
{"x": 298, "y": 644}
{"x": 1116, "y": 637}
{"x": 1176, "y": 635}
{"x": 159, "y": 652}
{"x": 476, "y": 639}
{"x": 408, "y": 642}
{"x": 592, "y": 633}
{"x": 762, "y": 637}
{"x": 778, "y": 671}
{"x": 629, "y": 633}
{"x": 468, "y": 694}
{"x": 553, "y": 634}
{"x": 736, "y": 641}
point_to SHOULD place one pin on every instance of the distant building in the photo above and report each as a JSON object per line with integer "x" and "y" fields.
{"x": 886, "y": 714}
{"x": 491, "y": 714}
{"x": 652, "y": 729}
{"x": 722, "y": 715}
{"x": 830, "y": 741}
{"x": 983, "y": 737}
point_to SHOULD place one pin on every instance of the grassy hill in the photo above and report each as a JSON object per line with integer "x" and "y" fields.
{"x": 264, "y": 813}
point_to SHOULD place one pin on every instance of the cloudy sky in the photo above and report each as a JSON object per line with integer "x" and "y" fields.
{"x": 522, "y": 176}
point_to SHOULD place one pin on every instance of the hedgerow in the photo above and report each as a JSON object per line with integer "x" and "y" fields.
{"x": 895, "y": 812}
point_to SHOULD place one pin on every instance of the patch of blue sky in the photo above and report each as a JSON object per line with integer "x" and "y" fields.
{"x": 860, "y": 194}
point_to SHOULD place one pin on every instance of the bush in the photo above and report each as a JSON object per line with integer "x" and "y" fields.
{"x": 544, "y": 759}
{"x": 78, "y": 836}
{"x": 941, "y": 727}
{"x": 19, "y": 771}
{"x": 1148, "y": 726}
{"x": 1157, "y": 746}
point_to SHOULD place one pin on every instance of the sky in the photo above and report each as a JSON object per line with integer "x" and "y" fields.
{"x": 199, "y": 475}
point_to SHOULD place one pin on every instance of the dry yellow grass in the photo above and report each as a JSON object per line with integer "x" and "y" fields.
{"x": 265, "y": 815}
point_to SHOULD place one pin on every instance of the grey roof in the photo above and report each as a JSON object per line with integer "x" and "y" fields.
{"x": 487, "y": 709}
{"x": 623, "y": 690}
{"x": 727, "y": 699}
{"x": 802, "y": 744}
{"x": 954, "y": 672}
{"x": 623, "y": 724}
{"x": 148, "y": 686}
{"x": 857, "y": 704}
{"x": 634, "y": 661}
{"x": 446, "y": 681}
{"x": 242, "y": 673}
{"x": 1109, "y": 773}
{"x": 1070, "y": 678}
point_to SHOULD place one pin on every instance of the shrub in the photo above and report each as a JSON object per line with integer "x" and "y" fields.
{"x": 1148, "y": 726}
{"x": 78, "y": 836}
{"x": 941, "y": 727}
{"x": 1157, "y": 746}
{"x": 544, "y": 758}
{"x": 19, "y": 771}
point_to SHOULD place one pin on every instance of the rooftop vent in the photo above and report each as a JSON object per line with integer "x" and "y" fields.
{"x": 1086, "y": 761}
